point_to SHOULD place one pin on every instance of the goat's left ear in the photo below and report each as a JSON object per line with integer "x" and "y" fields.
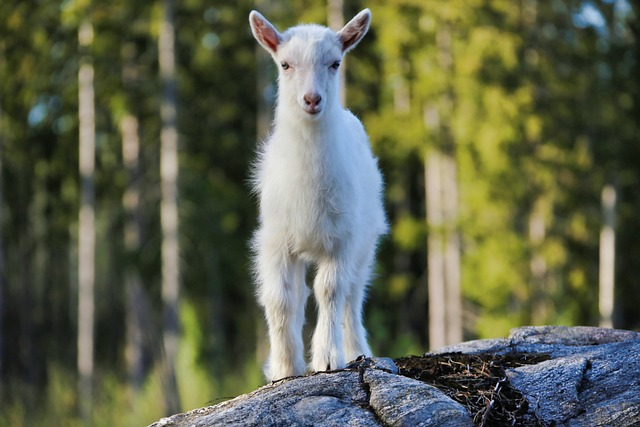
{"x": 355, "y": 30}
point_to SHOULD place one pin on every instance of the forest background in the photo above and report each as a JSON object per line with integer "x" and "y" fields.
{"x": 508, "y": 133}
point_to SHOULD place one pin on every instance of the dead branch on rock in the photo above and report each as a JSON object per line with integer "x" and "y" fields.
{"x": 478, "y": 382}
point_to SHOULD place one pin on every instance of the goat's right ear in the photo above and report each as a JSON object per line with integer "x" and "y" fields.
{"x": 264, "y": 32}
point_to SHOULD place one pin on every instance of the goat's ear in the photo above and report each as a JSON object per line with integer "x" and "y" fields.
{"x": 355, "y": 29}
{"x": 264, "y": 32}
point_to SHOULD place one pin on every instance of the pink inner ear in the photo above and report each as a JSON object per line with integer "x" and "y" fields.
{"x": 349, "y": 37}
{"x": 353, "y": 32}
{"x": 267, "y": 35}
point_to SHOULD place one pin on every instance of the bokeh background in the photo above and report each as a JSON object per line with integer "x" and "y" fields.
{"x": 508, "y": 133}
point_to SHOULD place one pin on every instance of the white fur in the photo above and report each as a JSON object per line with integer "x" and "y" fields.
{"x": 320, "y": 202}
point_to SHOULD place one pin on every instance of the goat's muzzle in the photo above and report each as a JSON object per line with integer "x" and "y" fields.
{"x": 312, "y": 103}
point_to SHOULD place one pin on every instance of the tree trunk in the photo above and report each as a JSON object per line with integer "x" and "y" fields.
{"x": 445, "y": 301}
{"x": 169, "y": 207}
{"x": 435, "y": 260}
{"x": 1, "y": 256}
{"x": 86, "y": 225}
{"x": 449, "y": 189}
{"x": 136, "y": 309}
{"x": 135, "y": 313}
{"x": 265, "y": 89}
{"x": 607, "y": 257}
{"x": 264, "y": 116}
{"x": 451, "y": 250}
{"x": 538, "y": 295}
{"x": 335, "y": 21}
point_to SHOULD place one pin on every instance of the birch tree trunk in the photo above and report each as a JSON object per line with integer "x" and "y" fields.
{"x": 435, "y": 260}
{"x": 136, "y": 307}
{"x": 1, "y": 255}
{"x": 443, "y": 263}
{"x": 86, "y": 224}
{"x": 451, "y": 250}
{"x": 449, "y": 189}
{"x": 169, "y": 206}
{"x": 536, "y": 306}
{"x": 445, "y": 301}
{"x": 538, "y": 265}
{"x": 264, "y": 116}
{"x": 607, "y": 257}
{"x": 134, "y": 351}
{"x": 335, "y": 21}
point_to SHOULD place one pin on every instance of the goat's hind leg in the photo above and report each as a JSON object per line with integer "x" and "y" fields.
{"x": 283, "y": 294}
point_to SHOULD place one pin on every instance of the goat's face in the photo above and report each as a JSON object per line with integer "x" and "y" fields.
{"x": 308, "y": 62}
{"x": 308, "y": 58}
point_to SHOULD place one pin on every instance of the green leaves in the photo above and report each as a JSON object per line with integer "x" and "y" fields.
{"x": 538, "y": 113}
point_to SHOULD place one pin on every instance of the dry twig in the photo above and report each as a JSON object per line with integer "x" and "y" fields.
{"x": 478, "y": 382}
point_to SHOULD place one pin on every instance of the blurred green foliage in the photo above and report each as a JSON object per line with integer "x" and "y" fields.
{"x": 543, "y": 113}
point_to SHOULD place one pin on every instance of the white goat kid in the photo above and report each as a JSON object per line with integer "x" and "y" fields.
{"x": 320, "y": 201}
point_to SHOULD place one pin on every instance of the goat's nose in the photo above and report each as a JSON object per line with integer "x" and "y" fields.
{"x": 312, "y": 99}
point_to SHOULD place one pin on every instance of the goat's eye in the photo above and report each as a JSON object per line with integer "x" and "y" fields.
{"x": 335, "y": 65}
{"x": 284, "y": 65}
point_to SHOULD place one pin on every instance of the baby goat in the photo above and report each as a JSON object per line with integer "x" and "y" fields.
{"x": 320, "y": 196}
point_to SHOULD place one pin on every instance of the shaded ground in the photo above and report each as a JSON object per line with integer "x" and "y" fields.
{"x": 478, "y": 382}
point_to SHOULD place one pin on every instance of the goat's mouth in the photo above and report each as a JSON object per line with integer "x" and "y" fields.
{"x": 312, "y": 111}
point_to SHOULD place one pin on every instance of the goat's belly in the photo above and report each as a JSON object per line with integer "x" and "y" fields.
{"x": 312, "y": 243}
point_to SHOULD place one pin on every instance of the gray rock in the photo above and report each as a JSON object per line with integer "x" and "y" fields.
{"x": 331, "y": 399}
{"x": 551, "y": 387}
{"x": 592, "y": 378}
{"x": 499, "y": 345}
{"x": 571, "y": 336}
{"x": 400, "y": 401}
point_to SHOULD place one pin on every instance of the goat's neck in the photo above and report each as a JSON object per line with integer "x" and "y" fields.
{"x": 312, "y": 133}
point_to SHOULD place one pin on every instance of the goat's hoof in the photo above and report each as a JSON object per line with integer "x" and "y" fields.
{"x": 357, "y": 362}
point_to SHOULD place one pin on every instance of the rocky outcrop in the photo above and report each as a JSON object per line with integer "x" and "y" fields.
{"x": 541, "y": 376}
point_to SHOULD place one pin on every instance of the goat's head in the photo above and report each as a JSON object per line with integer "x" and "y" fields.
{"x": 308, "y": 58}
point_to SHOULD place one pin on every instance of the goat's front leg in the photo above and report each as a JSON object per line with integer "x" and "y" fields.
{"x": 283, "y": 294}
{"x": 329, "y": 288}
{"x": 355, "y": 335}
